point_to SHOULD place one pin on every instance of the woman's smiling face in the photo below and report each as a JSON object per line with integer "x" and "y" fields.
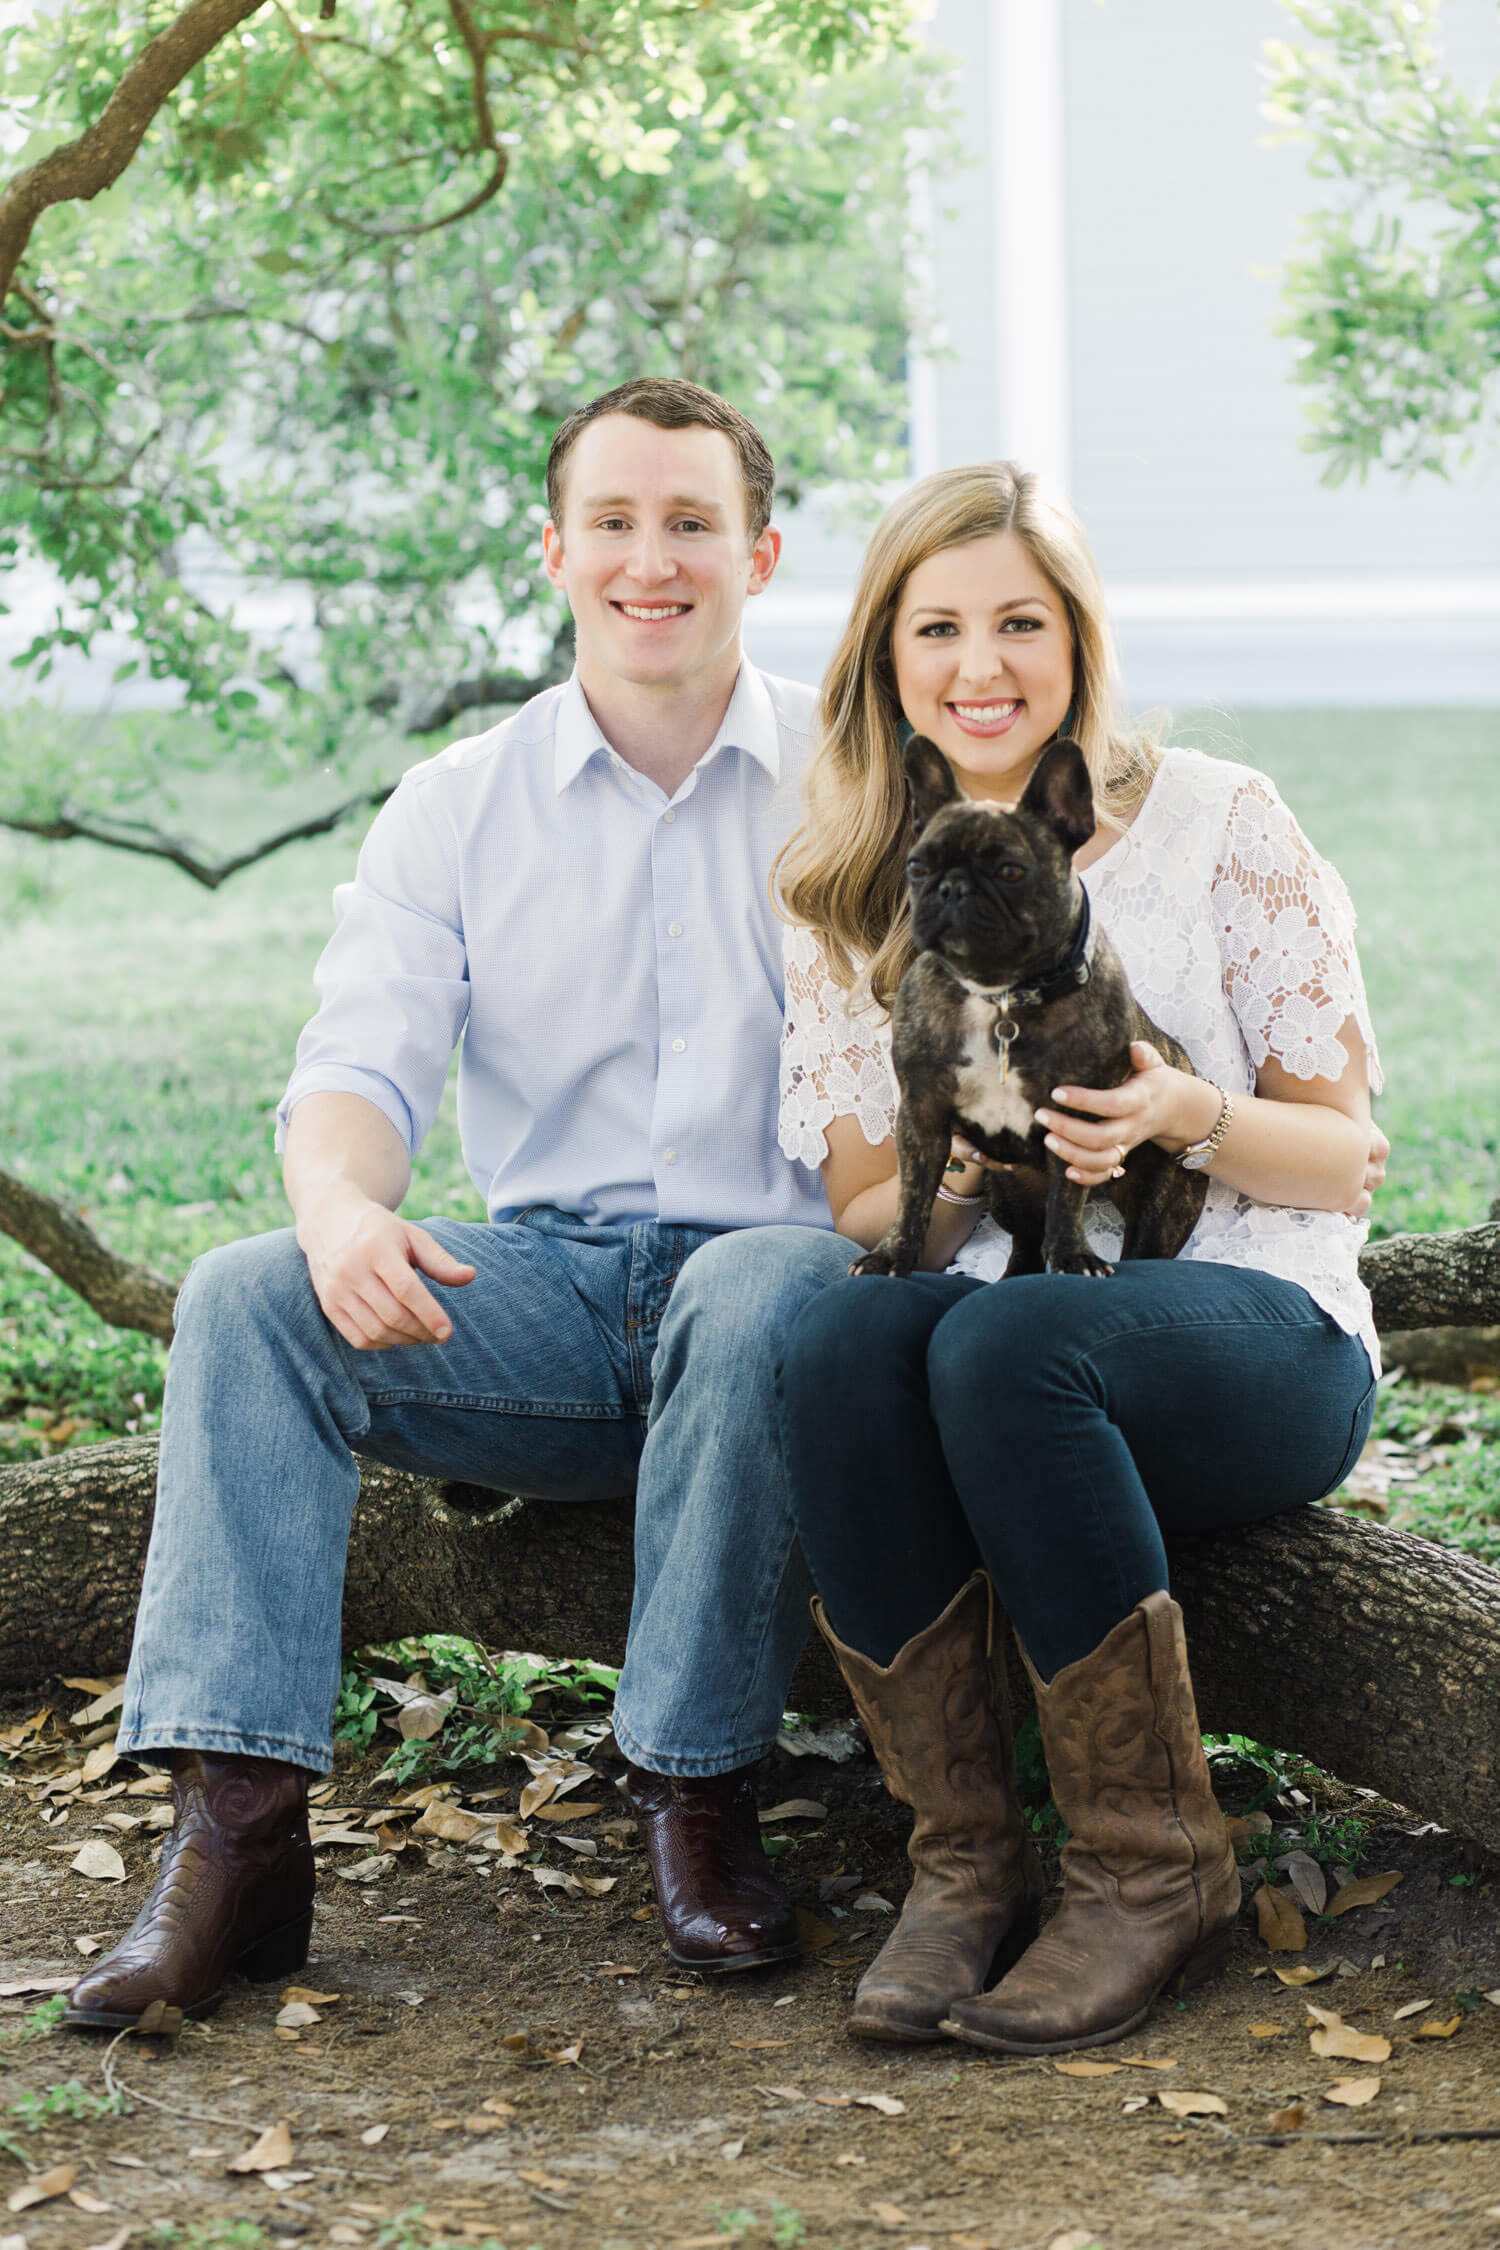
{"x": 983, "y": 655}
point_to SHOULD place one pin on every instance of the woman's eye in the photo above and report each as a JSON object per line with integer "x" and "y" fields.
{"x": 933, "y": 632}
{"x": 1022, "y": 624}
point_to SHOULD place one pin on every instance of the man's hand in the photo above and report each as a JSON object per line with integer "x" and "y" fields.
{"x": 364, "y": 1261}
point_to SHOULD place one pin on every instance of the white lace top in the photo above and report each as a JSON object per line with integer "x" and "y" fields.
{"x": 1236, "y": 937}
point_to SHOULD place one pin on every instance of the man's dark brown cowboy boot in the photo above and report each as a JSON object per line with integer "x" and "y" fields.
{"x": 722, "y": 1906}
{"x": 938, "y": 1719}
{"x": 233, "y": 1893}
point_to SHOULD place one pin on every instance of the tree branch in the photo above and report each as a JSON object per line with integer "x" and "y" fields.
{"x": 124, "y": 1295}
{"x": 486, "y": 138}
{"x": 155, "y": 843}
{"x": 82, "y": 168}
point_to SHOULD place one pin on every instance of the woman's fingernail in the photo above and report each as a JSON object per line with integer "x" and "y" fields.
{"x": 1059, "y": 1093}
{"x": 1054, "y": 1144}
{"x": 1074, "y": 1173}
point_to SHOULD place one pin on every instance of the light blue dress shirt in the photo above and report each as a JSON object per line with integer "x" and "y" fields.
{"x": 608, "y": 955}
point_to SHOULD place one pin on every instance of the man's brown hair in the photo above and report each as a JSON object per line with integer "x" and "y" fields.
{"x": 671, "y": 404}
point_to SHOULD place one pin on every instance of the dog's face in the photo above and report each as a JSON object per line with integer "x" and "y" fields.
{"x": 994, "y": 892}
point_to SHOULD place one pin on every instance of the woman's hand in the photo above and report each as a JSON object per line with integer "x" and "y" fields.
{"x": 1380, "y": 1149}
{"x": 1149, "y": 1106}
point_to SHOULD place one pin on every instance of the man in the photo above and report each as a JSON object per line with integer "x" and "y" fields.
{"x": 583, "y": 894}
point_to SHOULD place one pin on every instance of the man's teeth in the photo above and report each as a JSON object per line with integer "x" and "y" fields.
{"x": 668, "y": 609}
{"x": 983, "y": 713}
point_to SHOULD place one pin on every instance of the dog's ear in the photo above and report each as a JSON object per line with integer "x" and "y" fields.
{"x": 930, "y": 780}
{"x": 1060, "y": 793}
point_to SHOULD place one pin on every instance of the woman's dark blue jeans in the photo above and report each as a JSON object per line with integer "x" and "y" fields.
{"x": 1051, "y": 1428}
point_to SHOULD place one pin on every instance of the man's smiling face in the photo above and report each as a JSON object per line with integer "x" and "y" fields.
{"x": 654, "y": 550}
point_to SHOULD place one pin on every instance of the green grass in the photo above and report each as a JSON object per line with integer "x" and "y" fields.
{"x": 147, "y": 1026}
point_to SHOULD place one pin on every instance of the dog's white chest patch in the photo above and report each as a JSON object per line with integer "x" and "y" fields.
{"x": 994, "y": 1104}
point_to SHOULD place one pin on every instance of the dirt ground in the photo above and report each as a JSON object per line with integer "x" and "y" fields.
{"x": 546, "y": 2077}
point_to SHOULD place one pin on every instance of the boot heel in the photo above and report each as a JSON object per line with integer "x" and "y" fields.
{"x": 278, "y": 1952}
{"x": 1021, "y": 1934}
{"x": 1203, "y": 1962}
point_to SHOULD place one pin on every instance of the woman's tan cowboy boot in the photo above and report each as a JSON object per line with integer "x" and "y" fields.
{"x": 1150, "y": 1889}
{"x": 938, "y": 1718}
{"x": 234, "y": 1893}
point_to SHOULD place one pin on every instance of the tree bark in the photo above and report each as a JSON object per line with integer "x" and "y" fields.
{"x": 1371, "y": 1652}
{"x": 122, "y": 1294}
{"x": 1434, "y": 1280}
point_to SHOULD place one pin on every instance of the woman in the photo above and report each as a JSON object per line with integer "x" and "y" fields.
{"x": 945, "y": 1436}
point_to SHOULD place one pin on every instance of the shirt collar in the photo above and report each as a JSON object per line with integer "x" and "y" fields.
{"x": 748, "y": 724}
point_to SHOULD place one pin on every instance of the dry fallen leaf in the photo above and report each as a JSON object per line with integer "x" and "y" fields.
{"x": 1287, "y": 2120}
{"x": 1352, "y": 2093}
{"x": 755, "y": 2043}
{"x": 1076, "y": 2238}
{"x": 1087, "y": 2069}
{"x": 816, "y": 1934}
{"x": 732, "y": 2149}
{"x": 450, "y": 1823}
{"x": 98, "y": 1762}
{"x": 1281, "y": 1925}
{"x": 1150, "y": 2062}
{"x": 268, "y": 2154}
{"x": 1366, "y": 1892}
{"x": 1443, "y": 2030}
{"x": 100, "y": 1861}
{"x": 1332, "y": 2037}
{"x": 115, "y": 2241}
{"x": 1269, "y": 2030}
{"x": 1412, "y": 2008}
{"x": 1306, "y": 1972}
{"x": 1307, "y": 1880}
{"x": 367, "y": 1870}
{"x": 313, "y": 1999}
{"x": 548, "y": 2181}
{"x": 297, "y": 2016}
{"x": 88, "y": 1946}
{"x": 1192, "y": 2105}
{"x": 795, "y": 1808}
{"x": 36, "y": 1984}
{"x": 422, "y": 1718}
{"x": 887, "y": 2104}
{"x": 889, "y": 2214}
{"x": 373, "y": 2135}
{"x": 42, "y": 2187}
{"x": 93, "y": 2204}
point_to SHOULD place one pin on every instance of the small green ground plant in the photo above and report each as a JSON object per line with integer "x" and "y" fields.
{"x": 492, "y": 1696}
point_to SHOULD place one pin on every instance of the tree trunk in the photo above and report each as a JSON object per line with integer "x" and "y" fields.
{"x": 1373, "y": 1653}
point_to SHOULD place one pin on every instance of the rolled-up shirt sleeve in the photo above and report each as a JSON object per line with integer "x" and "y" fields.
{"x": 393, "y": 978}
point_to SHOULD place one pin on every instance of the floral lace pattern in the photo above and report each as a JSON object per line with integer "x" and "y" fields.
{"x": 1236, "y": 937}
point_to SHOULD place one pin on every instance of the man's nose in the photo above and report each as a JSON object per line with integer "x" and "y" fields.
{"x": 649, "y": 561}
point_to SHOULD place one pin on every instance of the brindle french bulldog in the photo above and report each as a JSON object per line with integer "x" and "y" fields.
{"x": 1014, "y": 990}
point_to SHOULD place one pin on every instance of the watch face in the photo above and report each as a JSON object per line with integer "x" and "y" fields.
{"x": 1194, "y": 1161}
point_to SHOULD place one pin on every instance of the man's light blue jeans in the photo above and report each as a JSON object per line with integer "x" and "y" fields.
{"x": 585, "y": 1362}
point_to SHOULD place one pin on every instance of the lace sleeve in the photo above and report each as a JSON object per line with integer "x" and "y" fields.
{"x": 1285, "y": 928}
{"x": 831, "y": 1065}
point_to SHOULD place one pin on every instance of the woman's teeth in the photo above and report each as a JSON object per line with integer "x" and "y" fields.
{"x": 983, "y": 714}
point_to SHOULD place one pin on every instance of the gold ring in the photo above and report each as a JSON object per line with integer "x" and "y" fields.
{"x": 1121, "y": 1151}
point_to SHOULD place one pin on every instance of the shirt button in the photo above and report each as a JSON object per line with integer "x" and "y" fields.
{"x": 674, "y": 929}
{"x": 679, "y": 1046}
{"x": 670, "y": 1157}
{"x": 669, "y": 817}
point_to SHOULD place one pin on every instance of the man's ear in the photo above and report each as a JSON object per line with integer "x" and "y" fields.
{"x": 1060, "y": 793}
{"x": 552, "y": 553}
{"x": 930, "y": 780}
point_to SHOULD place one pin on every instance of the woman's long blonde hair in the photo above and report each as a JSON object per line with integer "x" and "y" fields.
{"x": 843, "y": 871}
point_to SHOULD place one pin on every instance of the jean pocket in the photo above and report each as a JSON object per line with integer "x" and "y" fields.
{"x": 1359, "y": 1430}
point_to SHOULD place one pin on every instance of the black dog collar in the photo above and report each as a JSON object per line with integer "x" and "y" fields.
{"x": 1074, "y": 969}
